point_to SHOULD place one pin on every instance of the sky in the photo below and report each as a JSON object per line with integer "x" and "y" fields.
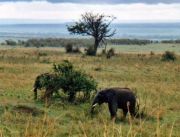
{"x": 71, "y": 10}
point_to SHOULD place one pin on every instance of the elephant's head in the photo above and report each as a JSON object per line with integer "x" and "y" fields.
{"x": 100, "y": 98}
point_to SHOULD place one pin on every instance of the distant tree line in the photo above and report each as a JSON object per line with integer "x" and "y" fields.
{"x": 129, "y": 42}
{"x": 170, "y": 41}
{"x": 79, "y": 42}
{"x": 57, "y": 42}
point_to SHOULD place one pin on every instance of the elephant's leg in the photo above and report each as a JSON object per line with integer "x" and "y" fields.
{"x": 113, "y": 110}
{"x": 132, "y": 110}
{"x": 125, "y": 111}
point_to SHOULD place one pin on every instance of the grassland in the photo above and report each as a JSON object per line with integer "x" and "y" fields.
{"x": 155, "y": 82}
{"x": 156, "y": 48}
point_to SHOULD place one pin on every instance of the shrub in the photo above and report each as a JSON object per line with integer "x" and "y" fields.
{"x": 11, "y": 42}
{"x": 56, "y": 42}
{"x": 169, "y": 56}
{"x": 68, "y": 79}
{"x": 103, "y": 52}
{"x": 110, "y": 53}
{"x": 73, "y": 81}
{"x": 76, "y": 50}
{"x": 152, "y": 53}
{"x": 129, "y": 42}
{"x": 90, "y": 51}
{"x": 69, "y": 48}
{"x": 42, "y": 54}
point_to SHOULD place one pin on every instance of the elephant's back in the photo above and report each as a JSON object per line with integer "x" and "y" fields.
{"x": 124, "y": 95}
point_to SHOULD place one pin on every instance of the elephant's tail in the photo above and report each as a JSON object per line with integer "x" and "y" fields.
{"x": 137, "y": 104}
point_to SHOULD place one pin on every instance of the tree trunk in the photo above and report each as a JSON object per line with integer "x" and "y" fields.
{"x": 96, "y": 44}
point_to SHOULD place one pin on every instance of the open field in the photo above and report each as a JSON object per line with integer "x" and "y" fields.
{"x": 155, "y": 82}
{"x": 156, "y": 48}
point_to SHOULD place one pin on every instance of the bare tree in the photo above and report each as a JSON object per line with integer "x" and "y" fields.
{"x": 95, "y": 25}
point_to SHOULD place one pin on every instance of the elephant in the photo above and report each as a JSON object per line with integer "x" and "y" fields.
{"x": 45, "y": 81}
{"x": 122, "y": 98}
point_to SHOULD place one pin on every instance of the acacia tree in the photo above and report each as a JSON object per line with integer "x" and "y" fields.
{"x": 95, "y": 25}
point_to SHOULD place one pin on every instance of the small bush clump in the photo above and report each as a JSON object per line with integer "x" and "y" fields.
{"x": 76, "y": 50}
{"x": 169, "y": 56}
{"x": 90, "y": 51}
{"x": 110, "y": 53}
{"x": 70, "y": 49}
{"x": 67, "y": 78}
{"x": 103, "y": 52}
{"x": 11, "y": 42}
{"x": 73, "y": 81}
{"x": 152, "y": 53}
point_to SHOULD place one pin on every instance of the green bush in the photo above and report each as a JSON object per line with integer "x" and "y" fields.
{"x": 11, "y": 42}
{"x": 76, "y": 50}
{"x": 129, "y": 42}
{"x": 152, "y": 53}
{"x": 73, "y": 81}
{"x": 169, "y": 56}
{"x": 110, "y": 53}
{"x": 57, "y": 42}
{"x": 103, "y": 52}
{"x": 90, "y": 51}
{"x": 69, "y": 48}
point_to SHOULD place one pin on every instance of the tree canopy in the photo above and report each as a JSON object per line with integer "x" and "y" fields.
{"x": 95, "y": 25}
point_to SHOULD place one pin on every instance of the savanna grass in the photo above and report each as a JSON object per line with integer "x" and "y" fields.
{"x": 155, "y": 82}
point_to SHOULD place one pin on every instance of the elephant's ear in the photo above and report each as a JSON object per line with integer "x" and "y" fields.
{"x": 100, "y": 94}
{"x": 104, "y": 96}
{"x": 109, "y": 97}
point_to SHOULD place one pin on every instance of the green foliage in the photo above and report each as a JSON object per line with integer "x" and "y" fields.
{"x": 129, "y": 42}
{"x": 73, "y": 81}
{"x": 170, "y": 41}
{"x": 103, "y": 52}
{"x": 90, "y": 51}
{"x": 57, "y": 42}
{"x": 11, "y": 42}
{"x": 110, "y": 53}
{"x": 152, "y": 53}
{"x": 94, "y": 25}
{"x": 76, "y": 50}
{"x": 71, "y": 49}
{"x": 169, "y": 56}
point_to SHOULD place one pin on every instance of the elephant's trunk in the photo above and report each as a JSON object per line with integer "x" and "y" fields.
{"x": 94, "y": 104}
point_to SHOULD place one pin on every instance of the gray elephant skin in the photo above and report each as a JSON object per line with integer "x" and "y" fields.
{"x": 122, "y": 98}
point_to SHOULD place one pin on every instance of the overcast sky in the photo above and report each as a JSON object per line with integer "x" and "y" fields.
{"x": 105, "y": 1}
{"x": 70, "y": 10}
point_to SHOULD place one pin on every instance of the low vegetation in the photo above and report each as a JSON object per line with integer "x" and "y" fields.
{"x": 130, "y": 42}
{"x": 72, "y": 49}
{"x": 169, "y": 56}
{"x": 66, "y": 78}
{"x": 110, "y": 53}
{"x": 73, "y": 81}
{"x": 59, "y": 42}
{"x": 11, "y": 42}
